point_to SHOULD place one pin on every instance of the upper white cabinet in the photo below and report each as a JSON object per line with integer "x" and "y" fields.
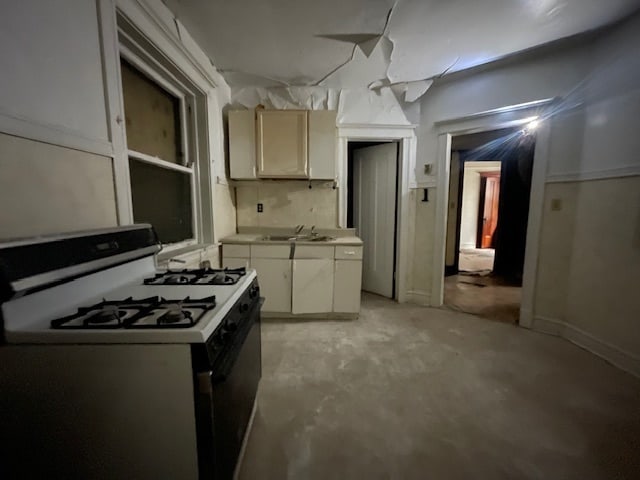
{"x": 322, "y": 144}
{"x": 282, "y": 143}
{"x": 242, "y": 144}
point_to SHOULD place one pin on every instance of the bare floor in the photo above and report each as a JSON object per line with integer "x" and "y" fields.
{"x": 483, "y": 295}
{"x": 408, "y": 392}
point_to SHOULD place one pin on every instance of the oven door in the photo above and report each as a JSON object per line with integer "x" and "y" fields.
{"x": 225, "y": 402}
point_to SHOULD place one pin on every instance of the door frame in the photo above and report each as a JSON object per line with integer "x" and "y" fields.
{"x": 516, "y": 115}
{"x": 406, "y": 138}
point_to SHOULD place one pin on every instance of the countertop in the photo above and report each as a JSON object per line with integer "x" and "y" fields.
{"x": 256, "y": 239}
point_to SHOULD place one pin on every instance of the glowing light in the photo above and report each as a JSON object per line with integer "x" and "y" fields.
{"x": 531, "y": 126}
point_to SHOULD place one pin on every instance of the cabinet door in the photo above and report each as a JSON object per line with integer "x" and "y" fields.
{"x": 322, "y": 144}
{"x": 282, "y": 143}
{"x": 274, "y": 275}
{"x": 312, "y": 286}
{"x": 235, "y": 262}
{"x": 347, "y": 286}
{"x": 242, "y": 144}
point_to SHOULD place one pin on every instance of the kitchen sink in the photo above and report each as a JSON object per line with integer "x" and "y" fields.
{"x": 293, "y": 238}
{"x": 317, "y": 238}
{"x": 279, "y": 238}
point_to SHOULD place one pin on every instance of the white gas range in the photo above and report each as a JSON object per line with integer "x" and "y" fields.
{"x": 92, "y": 326}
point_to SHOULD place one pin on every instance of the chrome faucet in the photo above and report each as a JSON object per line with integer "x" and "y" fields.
{"x": 299, "y": 228}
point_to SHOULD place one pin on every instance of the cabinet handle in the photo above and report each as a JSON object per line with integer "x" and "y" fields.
{"x": 350, "y": 253}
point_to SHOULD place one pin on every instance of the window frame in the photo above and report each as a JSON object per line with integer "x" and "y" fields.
{"x": 145, "y": 62}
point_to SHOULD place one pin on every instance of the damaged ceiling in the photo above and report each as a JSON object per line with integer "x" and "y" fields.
{"x": 401, "y": 44}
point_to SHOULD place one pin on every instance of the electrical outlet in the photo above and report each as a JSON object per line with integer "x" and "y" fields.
{"x": 205, "y": 264}
{"x": 556, "y": 204}
{"x": 260, "y": 208}
{"x": 427, "y": 168}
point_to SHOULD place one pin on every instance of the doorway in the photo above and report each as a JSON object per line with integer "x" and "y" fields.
{"x": 372, "y": 209}
{"x": 489, "y": 191}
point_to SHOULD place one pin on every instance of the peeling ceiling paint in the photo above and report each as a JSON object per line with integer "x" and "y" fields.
{"x": 380, "y": 44}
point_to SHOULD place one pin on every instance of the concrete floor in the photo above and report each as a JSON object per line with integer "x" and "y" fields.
{"x": 408, "y": 392}
{"x": 483, "y": 295}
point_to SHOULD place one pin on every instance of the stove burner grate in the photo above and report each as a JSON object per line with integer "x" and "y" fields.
{"x": 203, "y": 276}
{"x": 152, "y": 312}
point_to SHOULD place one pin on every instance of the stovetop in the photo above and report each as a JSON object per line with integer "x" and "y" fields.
{"x": 152, "y": 312}
{"x": 204, "y": 276}
{"x": 134, "y": 310}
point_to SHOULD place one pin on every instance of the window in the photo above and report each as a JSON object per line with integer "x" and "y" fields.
{"x": 163, "y": 177}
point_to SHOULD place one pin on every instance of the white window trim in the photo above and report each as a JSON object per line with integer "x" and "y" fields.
{"x": 144, "y": 61}
{"x": 153, "y": 27}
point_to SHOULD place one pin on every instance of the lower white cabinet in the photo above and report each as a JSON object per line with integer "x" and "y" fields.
{"x": 347, "y": 285}
{"x": 312, "y": 285}
{"x": 319, "y": 279}
{"x": 274, "y": 275}
{"x": 235, "y": 262}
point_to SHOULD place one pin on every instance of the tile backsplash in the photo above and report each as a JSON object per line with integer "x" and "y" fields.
{"x": 287, "y": 203}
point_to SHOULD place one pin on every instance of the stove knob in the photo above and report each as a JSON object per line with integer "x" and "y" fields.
{"x": 219, "y": 338}
{"x": 231, "y": 326}
{"x": 244, "y": 307}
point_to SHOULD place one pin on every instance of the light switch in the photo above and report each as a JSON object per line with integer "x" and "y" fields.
{"x": 427, "y": 168}
{"x": 556, "y": 204}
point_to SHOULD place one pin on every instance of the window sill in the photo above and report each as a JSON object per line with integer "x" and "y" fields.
{"x": 189, "y": 254}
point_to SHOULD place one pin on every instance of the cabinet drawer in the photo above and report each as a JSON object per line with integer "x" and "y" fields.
{"x": 270, "y": 251}
{"x": 235, "y": 250}
{"x": 313, "y": 251}
{"x": 349, "y": 253}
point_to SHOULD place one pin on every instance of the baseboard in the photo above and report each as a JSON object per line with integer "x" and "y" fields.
{"x": 526, "y": 318}
{"x": 418, "y": 297}
{"x": 622, "y": 359}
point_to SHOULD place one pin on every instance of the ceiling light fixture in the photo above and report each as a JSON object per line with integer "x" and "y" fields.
{"x": 532, "y": 125}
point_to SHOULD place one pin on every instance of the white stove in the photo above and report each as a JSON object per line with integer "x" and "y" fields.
{"x": 92, "y": 325}
{"x": 28, "y": 319}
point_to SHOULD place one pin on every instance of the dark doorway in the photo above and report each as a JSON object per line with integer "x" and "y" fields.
{"x": 495, "y": 245}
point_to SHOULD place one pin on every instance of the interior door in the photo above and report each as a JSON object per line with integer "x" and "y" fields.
{"x": 374, "y": 215}
{"x": 490, "y": 210}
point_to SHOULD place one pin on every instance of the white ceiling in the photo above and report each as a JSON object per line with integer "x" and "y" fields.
{"x": 285, "y": 42}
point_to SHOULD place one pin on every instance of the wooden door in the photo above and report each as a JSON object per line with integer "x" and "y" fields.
{"x": 374, "y": 208}
{"x": 490, "y": 209}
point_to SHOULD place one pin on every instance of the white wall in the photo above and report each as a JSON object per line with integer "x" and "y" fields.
{"x": 588, "y": 256}
{"x": 45, "y": 188}
{"x": 471, "y": 200}
{"x": 51, "y": 67}
{"x": 59, "y": 95}
{"x": 287, "y": 203}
